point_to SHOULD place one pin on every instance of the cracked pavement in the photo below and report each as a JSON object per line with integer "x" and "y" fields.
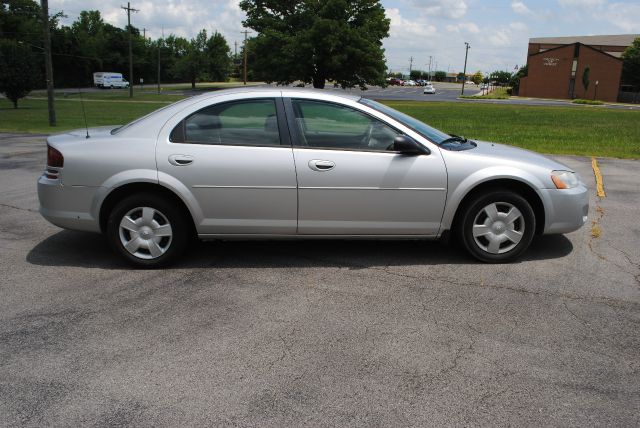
{"x": 373, "y": 333}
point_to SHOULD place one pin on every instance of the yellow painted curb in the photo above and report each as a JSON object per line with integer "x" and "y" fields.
{"x": 598, "y": 175}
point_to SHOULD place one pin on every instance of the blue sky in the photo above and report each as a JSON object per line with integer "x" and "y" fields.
{"x": 497, "y": 30}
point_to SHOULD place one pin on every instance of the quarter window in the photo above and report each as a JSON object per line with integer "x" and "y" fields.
{"x": 245, "y": 123}
{"x": 333, "y": 126}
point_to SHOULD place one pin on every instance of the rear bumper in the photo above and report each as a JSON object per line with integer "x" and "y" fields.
{"x": 567, "y": 211}
{"x": 68, "y": 207}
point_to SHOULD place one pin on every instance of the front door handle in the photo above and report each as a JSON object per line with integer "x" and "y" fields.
{"x": 180, "y": 160}
{"x": 321, "y": 165}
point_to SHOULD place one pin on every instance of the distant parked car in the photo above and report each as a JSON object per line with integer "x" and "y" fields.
{"x": 395, "y": 81}
{"x": 429, "y": 89}
{"x": 409, "y": 83}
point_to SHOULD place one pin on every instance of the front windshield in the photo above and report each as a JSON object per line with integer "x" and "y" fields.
{"x": 432, "y": 134}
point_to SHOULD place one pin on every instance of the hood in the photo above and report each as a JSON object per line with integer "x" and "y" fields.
{"x": 515, "y": 154}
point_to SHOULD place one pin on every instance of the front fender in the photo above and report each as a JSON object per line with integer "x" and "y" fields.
{"x": 458, "y": 191}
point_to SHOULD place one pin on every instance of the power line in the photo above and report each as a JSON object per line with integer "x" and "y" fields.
{"x": 129, "y": 10}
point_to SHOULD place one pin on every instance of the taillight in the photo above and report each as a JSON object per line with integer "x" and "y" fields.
{"x": 54, "y": 158}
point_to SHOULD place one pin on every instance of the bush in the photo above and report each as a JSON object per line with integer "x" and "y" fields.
{"x": 590, "y": 102}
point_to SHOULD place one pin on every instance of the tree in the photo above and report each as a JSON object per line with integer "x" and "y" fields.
{"x": 460, "y": 77}
{"x": 477, "y": 77}
{"x": 631, "y": 64}
{"x": 501, "y": 77}
{"x": 440, "y": 76}
{"x": 192, "y": 58}
{"x": 218, "y": 57}
{"x": 18, "y": 70}
{"x": 312, "y": 41}
{"x": 515, "y": 79}
{"x": 417, "y": 74}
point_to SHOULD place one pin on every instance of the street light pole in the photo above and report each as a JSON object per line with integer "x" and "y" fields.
{"x": 464, "y": 77}
{"x": 48, "y": 64}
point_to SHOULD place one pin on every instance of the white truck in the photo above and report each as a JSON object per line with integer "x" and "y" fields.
{"x": 104, "y": 79}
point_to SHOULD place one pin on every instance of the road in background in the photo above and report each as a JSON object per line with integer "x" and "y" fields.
{"x": 324, "y": 333}
{"x": 444, "y": 92}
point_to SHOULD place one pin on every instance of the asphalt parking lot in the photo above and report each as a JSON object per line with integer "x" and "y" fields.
{"x": 319, "y": 333}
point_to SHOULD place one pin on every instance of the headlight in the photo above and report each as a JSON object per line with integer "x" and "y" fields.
{"x": 565, "y": 179}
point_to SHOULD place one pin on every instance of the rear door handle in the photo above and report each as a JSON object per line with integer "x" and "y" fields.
{"x": 180, "y": 160}
{"x": 321, "y": 165}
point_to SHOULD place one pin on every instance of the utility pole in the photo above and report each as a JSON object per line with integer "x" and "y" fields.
{"x": 48, "y": 65}
{"x": 160, "y": 42}
{"x": 144, "y": 33}
{"x": 410, "y": 66}
{"x": 129, "y": 10}
{"x": 245, "y": 32}
{"x": 430, "y": 59}
{"x": 464, "y": 77}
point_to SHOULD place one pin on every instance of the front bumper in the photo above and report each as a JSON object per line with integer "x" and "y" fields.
{"x": 68, "y": 207}
{"x": 566, "y": 210}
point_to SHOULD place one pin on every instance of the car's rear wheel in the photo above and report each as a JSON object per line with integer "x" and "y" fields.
{"x": 147, "y": 230}
{"x": 497, "y": 227}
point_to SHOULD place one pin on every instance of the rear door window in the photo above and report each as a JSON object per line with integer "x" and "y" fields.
{"x": 241, "y": 123}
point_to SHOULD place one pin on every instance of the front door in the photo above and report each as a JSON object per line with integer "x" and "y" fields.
{"x": 350, "y": 182}
{"x": 237, "y": 164}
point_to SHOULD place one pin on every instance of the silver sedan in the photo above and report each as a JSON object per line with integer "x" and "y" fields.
{"x": 295, "y": 163}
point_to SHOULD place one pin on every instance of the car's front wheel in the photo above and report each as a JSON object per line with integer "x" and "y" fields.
{"x": 147, "y": 230}
{"x": 497, "y": 227}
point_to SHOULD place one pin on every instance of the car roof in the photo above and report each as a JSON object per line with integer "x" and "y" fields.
{"x": 285, "y": 90}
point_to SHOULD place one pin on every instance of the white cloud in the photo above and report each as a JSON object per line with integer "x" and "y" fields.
{"x": 406, "y": 29}
{"x": 624, "y": 16}
{"x": 463, "y": 27}
{"x": 520, "y": 8}
{"x": 518, "y": 26}
{"x": 178, "y": 17}
{"x": 581, "y": 3}
{"x": 452, "y": 9}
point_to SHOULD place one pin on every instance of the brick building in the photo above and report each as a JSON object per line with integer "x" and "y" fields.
{"x": 556, "y": 67}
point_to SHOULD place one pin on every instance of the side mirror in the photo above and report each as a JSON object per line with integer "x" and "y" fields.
{"x": 408, "y": 146}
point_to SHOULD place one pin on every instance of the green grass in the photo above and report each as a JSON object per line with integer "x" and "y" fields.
{"x": 589, "y": 102}
{"x": 554, "y": 130}
{"x": 113, "y": 95}
{"x": 496, "y": 94}
{"x": 32, "y": 116}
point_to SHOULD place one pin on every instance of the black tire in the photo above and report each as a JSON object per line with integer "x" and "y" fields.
{"x": 165, "y": 211}
{"x": 476, "y": 212}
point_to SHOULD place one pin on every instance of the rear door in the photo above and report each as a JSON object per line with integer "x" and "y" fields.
{"x": 232, "y": 158}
